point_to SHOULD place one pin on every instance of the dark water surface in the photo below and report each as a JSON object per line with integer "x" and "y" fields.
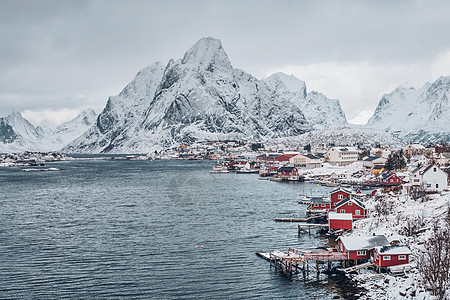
{"x": 108, "y": 229}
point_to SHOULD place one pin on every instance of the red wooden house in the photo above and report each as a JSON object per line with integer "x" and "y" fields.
{"x": 360, "y": 247}
{"x": 388, "y": 256}
{"x": 339, "y": 194}
{"x": 287, "y": 172}
{"x": 339, "y": 221}
{"x": 352, "y": 205}
{"x": 390, "y": 178}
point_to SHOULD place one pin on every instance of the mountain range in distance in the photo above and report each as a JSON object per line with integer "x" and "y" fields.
{"x": 201, "y": 97}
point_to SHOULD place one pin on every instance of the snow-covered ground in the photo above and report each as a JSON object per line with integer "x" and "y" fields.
{"x": 393, "y": 225}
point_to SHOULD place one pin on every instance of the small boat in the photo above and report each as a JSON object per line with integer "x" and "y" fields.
{"x": 219, "y": 169}
{"x": 304, "y": 199}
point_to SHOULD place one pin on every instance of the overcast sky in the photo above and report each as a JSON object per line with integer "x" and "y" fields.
{"x": 60, "y": 57}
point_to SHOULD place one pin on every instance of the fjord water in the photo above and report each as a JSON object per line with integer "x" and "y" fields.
{"x": 107, "y": 229}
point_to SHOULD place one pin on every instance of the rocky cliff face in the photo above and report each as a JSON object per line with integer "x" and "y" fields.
{"x": 202, "y": 97}
{"x": 420, "y": 115}
{"x": 7, "y": 133}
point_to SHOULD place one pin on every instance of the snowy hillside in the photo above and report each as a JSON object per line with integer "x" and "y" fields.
{"x": 199, "y": 97}
{"x": 338, "y": 137}
{"x": 420, "y": 115}
{"x": 17, "y": 134}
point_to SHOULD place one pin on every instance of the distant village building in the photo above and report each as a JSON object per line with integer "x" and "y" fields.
{"x": 390, "y": 178}
{"x": 442, "y": 159}
{"x": 419, "y": 160}
{"x": 371, "y": 161}
{"x": 415, "y": 149}
{"x": 287, "y": 172}
{"x": 377, "y": 169}
{"x": 342, "y": 156}
{"x": 305, "y": 161}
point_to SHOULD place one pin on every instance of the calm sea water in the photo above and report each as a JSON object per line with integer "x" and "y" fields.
{"x": 112, "y": 229}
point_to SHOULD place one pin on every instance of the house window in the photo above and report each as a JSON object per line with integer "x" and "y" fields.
{"x": 342, "y": 248}
{"x": 434, "y": 169}
{"x": 323, "y": 205}
{"x": 340, "y": 197}
{"x": 437, "y": 185}
{"x": 428, "y": 185}
{"x": 342, "y": 211}
{"x": 357, "y": 212}
{"x": 401, "y": 257}
{"x": 416, "y": 180}
{"x": 391, "y": 180}
{"x": 350, "y": 203}
{"x": 316, "y": 205}
{"x": 360, "y": 253}
{"x": 386, "y": 257}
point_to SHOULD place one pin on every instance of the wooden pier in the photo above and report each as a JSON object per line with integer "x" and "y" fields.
{"x": 295, "y": 260}
{"x": 306, "y": 227}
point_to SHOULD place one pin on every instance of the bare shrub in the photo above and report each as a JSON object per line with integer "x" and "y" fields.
{"x": 411, "y": 227}
{"x": 434, "y": 262}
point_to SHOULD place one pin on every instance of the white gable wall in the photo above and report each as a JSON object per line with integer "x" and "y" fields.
{"x": 434, "y": 179}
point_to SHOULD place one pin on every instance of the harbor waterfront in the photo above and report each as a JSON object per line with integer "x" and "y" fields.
{"x": 163, "y": 229}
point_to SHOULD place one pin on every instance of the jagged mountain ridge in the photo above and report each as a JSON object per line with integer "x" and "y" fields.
{"x": 416, "y": 115}
{"x": 199, "y": 97}
{"x": 320, "y": 111}
{"x": 18, "y": 134}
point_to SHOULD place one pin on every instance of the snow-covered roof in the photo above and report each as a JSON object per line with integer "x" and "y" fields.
{"x": 320, "y": 200}
{"x": 354, "y": 243}
{"x": 346, "y": 149}
{"x": 388, "y": 250}
{"x": 372, "y": 158}
{"x": 339, "y": 216}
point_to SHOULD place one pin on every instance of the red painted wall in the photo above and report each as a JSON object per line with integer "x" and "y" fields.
{"x": 394, "y": 261}
{"x": 351, "y": 209}
{"x": 340, "y": 224}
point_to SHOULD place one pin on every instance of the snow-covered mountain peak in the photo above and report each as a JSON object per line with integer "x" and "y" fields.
{"x": 207, "y": 53}
{"x": 283, "y": 83}
{"x": 22, "y": 126}
{"x": 139, "y": 87}
{"x": 421, "y": 115}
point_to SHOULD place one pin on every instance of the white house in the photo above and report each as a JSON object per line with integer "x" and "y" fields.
{"x": 341, "y": 156}
{"x": 419, "y": 159}
{"x": 434, "y": 179}
{"x": 307, "y": 161}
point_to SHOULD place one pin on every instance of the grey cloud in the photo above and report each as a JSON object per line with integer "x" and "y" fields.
{"x": 62, "y": 47}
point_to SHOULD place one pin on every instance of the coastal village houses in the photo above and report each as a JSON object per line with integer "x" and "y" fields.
{"x": 341, "y": 156}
